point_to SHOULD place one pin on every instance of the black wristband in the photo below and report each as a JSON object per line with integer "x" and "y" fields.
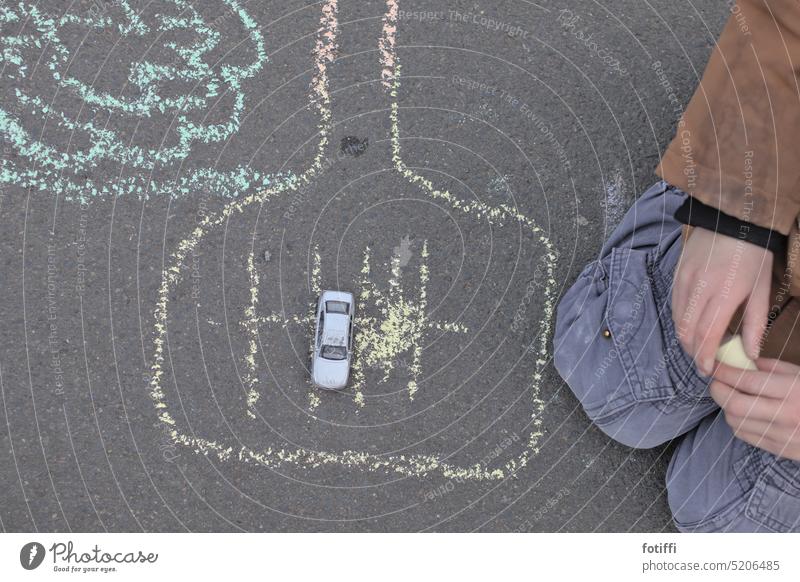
{"x": 695, "y": 213}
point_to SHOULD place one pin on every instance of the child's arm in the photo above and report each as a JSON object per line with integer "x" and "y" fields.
{"x": 735, "y": 150}
{"x": 716, "y": 274}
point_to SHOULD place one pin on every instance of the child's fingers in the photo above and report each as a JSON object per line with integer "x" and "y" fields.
{"x": 777, "y": 366}
{"x": 755, "y": 382}
{"x": 679, "y": 306}
{"x": 712, "y": 326}
{"x": 742, "y": 404}
{"x": 754, "y": 322}
{"x": 695, "y": 300}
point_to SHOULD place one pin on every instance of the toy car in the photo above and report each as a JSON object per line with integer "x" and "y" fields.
{"x": 333, "y": 340}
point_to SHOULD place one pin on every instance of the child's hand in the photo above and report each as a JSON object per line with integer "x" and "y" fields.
{"x": 715, "y": 275}
{"x": 762, "y": 407}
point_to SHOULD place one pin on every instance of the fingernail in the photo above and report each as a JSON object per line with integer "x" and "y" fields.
{"x": 705, "y": 367}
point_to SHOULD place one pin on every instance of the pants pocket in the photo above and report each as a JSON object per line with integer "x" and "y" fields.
{"x": 718, "y": 483}
{"x": 634, "y": 323}
{"x": 775, "y": 500}
{"x": 609, "y": 345}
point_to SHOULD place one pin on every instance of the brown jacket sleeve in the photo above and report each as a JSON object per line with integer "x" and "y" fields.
{"x": 737, "y": 146}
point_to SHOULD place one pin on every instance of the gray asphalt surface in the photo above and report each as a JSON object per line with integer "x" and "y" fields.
{"x": 493, "y": 100}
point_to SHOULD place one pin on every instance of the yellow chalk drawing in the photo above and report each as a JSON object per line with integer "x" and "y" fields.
{"x": 324, "y": 53}
{"x": 493, "y": 214}
{"x": 306, "y": 322}
{"x": 400, "y": 329}
{"x": 383, "y": 338}
{"x": 380, "y": 342}
{"x": 251, "y": 325}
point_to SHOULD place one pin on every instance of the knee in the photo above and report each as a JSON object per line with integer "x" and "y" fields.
{"x": 716, "y": 482}
{"x": 640, "y": 426}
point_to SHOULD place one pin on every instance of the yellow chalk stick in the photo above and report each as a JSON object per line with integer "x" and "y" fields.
{"x": 732, "y": 352}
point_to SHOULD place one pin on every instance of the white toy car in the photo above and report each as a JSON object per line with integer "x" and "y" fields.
{"x": 333, "y": 340}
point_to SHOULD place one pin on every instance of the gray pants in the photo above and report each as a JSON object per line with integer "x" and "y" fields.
{"x": 616, "y": 347}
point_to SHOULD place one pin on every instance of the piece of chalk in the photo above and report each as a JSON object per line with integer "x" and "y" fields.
{"x": 732, "y": 352}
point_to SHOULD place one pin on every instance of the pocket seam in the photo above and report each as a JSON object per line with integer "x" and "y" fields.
{"x": 616, "y": 281}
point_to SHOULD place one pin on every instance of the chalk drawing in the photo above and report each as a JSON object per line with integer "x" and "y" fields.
{"x": 157, "y": 84}
{"x": 494, "y": 214}
{"x": 401, "y": 327}
{"x": 386, "y": 342}
{"x": 380, "y": 342}
{"x": 252, "y": 322}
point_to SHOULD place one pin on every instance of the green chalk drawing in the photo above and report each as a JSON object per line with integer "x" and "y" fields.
{"x": 65, "y": 169}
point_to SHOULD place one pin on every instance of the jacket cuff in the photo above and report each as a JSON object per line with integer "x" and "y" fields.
{"x": 728, "y": 192}
{"x": 695, "y": 213}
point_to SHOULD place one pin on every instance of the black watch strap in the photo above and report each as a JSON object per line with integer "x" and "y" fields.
{"x": 695, "y": 213}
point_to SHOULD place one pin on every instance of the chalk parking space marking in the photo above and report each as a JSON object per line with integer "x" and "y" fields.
{"x": 405, "y": 464}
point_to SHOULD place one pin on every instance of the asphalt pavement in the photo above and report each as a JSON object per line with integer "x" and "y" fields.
{"x": 179, "y": 181}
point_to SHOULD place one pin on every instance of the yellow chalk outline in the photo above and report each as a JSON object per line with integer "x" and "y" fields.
{"x": 409, "y": 465}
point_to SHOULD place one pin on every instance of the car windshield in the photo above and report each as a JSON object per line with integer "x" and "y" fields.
{"x": 336, "y": 307}
{"x": 334, "y": 352}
